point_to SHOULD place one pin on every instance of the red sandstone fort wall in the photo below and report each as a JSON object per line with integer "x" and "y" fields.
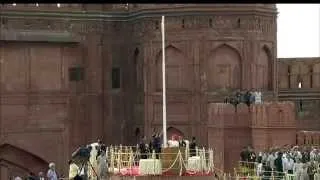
{"x": 294, "y": 70}
{"x": 262, "y": 126}
{"x": 210, "y": 52}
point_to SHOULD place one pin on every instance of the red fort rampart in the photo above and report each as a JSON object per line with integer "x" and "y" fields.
{"x": 262, "y": 126}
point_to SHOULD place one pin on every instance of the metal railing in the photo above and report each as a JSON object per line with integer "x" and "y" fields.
{"x": 249, "y": 170}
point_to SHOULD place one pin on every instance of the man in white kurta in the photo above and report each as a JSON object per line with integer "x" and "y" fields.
{"x": 102, "y": 165}
{"x": 173, "y": 142}
{"x": 258, "y": 97}
{"x": 285, "y": 163}
{"x": 93, "y": 166}
{"x": 298, "y": 170}
{"x": 313, "y": 154}
{"x": 317, "y": 174}
{"x": 73, "y": 170}
{"x": 272, "y": 156}
{"x": 289, "y": 165}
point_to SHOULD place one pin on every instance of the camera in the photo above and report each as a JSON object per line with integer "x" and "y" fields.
{"x": 81, "y": 155}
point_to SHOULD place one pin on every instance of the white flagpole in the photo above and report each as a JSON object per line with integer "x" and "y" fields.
{"x": 164, "y": 101}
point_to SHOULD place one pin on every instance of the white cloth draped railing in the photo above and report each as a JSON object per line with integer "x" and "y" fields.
{"x": 122, "y": 157}
{"x": 150, "y": 167}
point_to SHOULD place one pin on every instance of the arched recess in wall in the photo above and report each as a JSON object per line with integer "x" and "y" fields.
{"x": 283, "y": 75}
{"x": 174, "y": 131}
{"x": 224, "y": 68}
{"x": 17, "y": 161}
{"x": 263, "y": 69}
{"x": 179, "y": 74}
{"x": 299, "y": 80}
{"x": 289, "y": 76}
{"x": 316, "y": 76}
{"x": 304, "y": 75}
{"x": 310, "y": 73}
{"x": 138, "y": 69}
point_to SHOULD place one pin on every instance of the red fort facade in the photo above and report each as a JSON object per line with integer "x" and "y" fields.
{"x": 76, "y": 73}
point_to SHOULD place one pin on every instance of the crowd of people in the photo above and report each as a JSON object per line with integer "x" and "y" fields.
{"x": 51, "y": 175}
{"x": 95, "y": 165}
{"x": 303, "y": 162}
{"x": 146, "y": 148}
{"x": 247, "y": 97}
{"x": 156, "y": 144}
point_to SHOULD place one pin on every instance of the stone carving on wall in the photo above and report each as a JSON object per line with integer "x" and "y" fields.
{"x": 53, "y": 25}
{"x": 31, "y": 24}
{"x": 222, "y": 25}
{"x": 257, "y": 26}
{"x": 94, "y": 27}
{"x": 120, "y": 6}
{"x": 221, "y": 22}
{"x": 189, "y": 22}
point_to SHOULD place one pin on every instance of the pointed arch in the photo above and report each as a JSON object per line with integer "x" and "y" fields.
{"x": 17, "y": 161}
{"x": 138, "y": 69}
{"x": 316, "y": 77}
{"x": 263, "y": 69}
{"x": 289, "y": 75}
{"x": 174, "y": 131}
{"x": 178, "y": 70}
{"x": 168, "y": 51}
{"x": 135, "y": 55}
{"x": 224, "y": 68}
{"x": 305, "y": 75}
{"x": 299, "y": 80}
{"x": 310, "y": 75}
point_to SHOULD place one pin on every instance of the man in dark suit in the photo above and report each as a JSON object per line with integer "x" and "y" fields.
{"x": 279, "y": 165}
{"x": 193, "y": 145}
{"x": 31, "y": 176}
{"x": 244, "y": 155}
{"x": 181, "y": 142}
{"x": 143, "y": 148}
{"x": 157, "y": 145}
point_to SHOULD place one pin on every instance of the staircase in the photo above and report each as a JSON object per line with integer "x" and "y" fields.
{"x": 298, "y": 94}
